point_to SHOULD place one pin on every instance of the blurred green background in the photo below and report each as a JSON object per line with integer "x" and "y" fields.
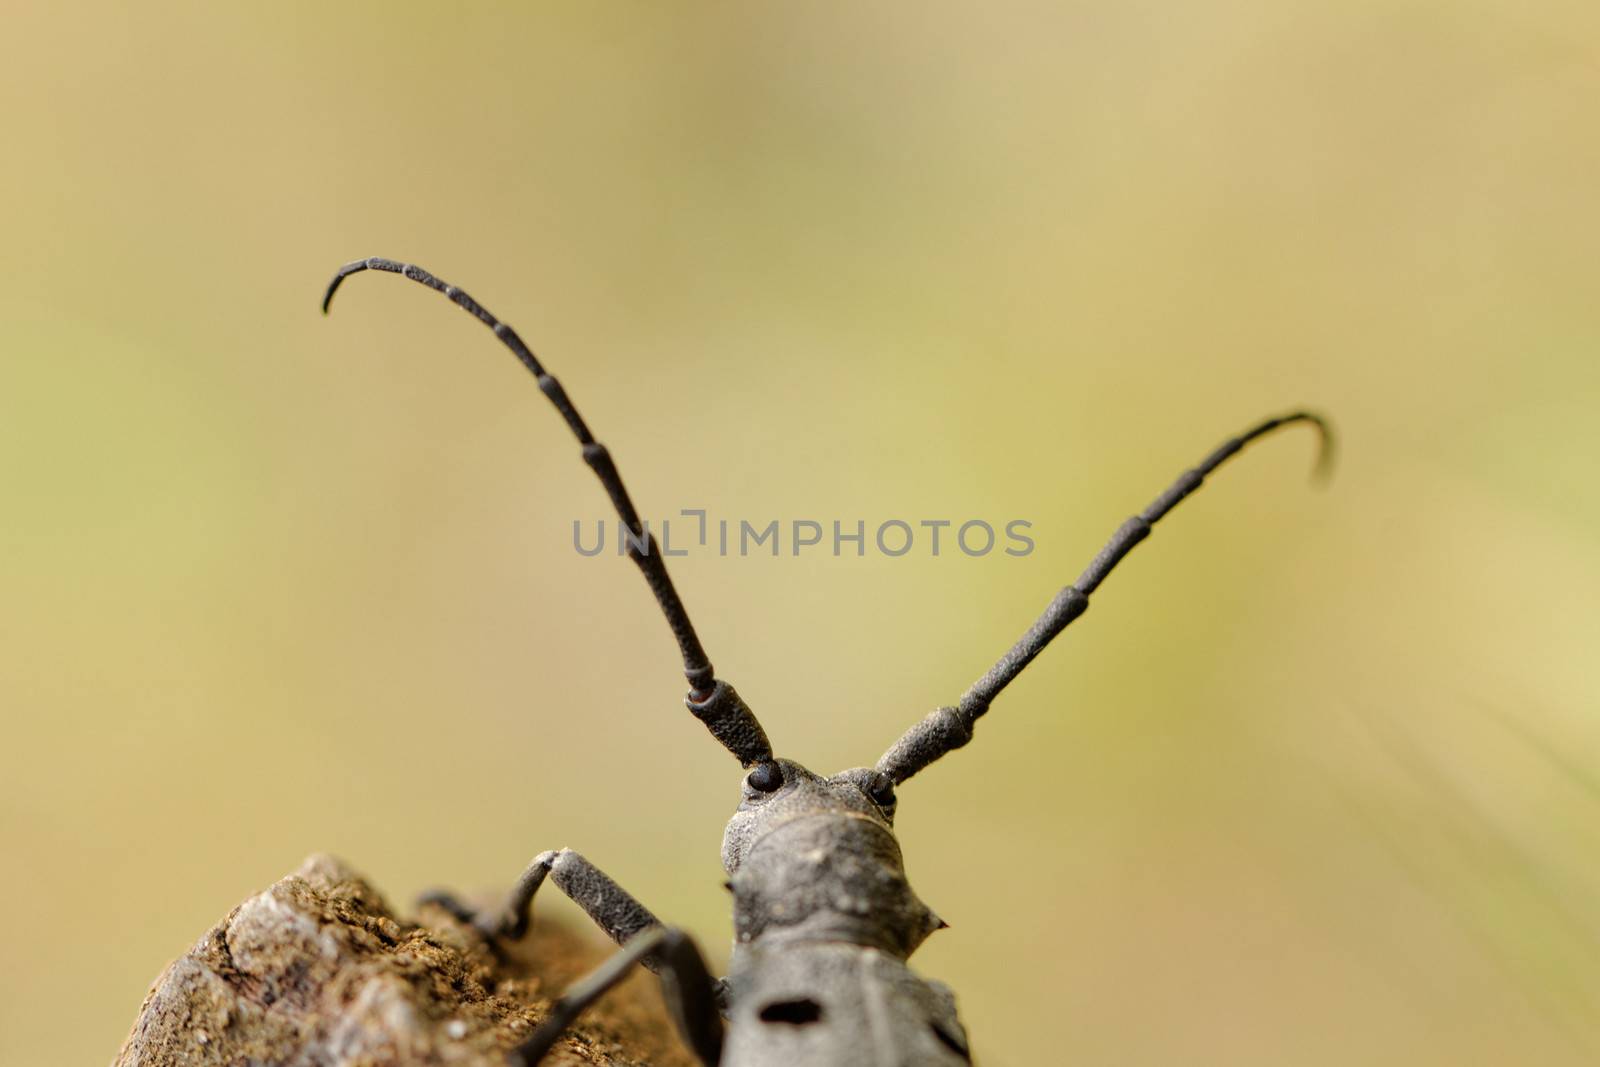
{"x": 1317, "y": 781}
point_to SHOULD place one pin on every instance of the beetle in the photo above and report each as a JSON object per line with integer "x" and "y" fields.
{"x": 824, "y": 918}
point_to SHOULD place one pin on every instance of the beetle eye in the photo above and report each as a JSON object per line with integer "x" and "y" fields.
{"x": 765, "y": 777}
{"x": 882, "y": 791}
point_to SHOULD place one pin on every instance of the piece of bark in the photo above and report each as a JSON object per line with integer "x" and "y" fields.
{"x": 317, "y": 972}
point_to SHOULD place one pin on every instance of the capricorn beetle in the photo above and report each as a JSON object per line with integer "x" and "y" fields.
{"x": 823, "y": 916}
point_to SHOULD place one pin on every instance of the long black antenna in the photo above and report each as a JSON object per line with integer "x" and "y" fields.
{"x": 713, "y": 701}
{"x": 950, "y": 728}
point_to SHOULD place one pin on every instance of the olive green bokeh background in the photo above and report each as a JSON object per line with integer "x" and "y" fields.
{"x": 1316, "y": 780}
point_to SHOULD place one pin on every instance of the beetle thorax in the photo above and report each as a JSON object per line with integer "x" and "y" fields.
{"x": 816, "y": 860}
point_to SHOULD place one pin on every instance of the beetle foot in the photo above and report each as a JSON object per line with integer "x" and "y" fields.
{"x": 492, "y": 926}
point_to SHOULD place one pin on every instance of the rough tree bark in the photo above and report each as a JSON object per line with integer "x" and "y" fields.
{"x": 318, "y": 972}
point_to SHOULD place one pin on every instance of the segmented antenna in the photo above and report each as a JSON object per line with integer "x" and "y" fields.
{"x": 711, "y": 700}
{"x": 951, "y": 727}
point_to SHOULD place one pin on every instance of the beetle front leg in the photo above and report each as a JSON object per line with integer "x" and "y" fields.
{"x": 695, "y": 1000}
{"x": 612, "y": 908}
{"x": 692, "y": 995}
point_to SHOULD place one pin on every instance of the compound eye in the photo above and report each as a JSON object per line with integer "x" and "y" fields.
{"x": 764, "y": 777}
{"x": 882, "y": 791}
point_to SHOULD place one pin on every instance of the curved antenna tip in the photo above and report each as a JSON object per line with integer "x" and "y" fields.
{"x": 338, "y": 279}
{"x": 1327, "y": 448}
{"x": 1321, "y": 474}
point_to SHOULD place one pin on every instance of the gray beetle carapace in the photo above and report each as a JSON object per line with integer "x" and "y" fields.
{"x": 824, "y": 918}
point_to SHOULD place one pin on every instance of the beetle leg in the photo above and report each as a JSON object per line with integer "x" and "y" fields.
{"x": 612, "y": 908}
{"x": 686, "y": 985}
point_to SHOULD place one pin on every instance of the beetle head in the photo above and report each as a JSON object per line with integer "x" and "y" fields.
{"x": 778, "y": 791}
